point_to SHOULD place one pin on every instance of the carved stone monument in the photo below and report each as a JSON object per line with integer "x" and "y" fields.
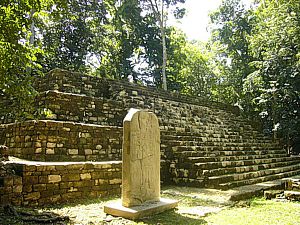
{"x": 140, "y": 169}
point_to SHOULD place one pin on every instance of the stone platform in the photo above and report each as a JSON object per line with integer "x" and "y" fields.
{"x": 137, "y": 212}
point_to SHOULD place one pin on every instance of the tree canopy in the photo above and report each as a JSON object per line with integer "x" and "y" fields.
{"x": 251, "y": 60}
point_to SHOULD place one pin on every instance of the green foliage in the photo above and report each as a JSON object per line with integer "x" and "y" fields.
{"x": 188, "y": 69}
{"x": 17, "y": 57}
{"x": 68, "y": 30}
{"x": 232, "y": 25}
{"x": 275, "y": 43}
{"x": 257, "y": 61}
{"x": 252, "y": 59}
{"x": 130, "y": 39}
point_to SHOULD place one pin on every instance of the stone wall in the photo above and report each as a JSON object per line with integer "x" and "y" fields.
{"x": 38, "y": 184}
{"x": 82, "y": 121}
{"x": 80, "y": 108}
{"x": 46, "y": 140}
{"x": 123, "y": 91}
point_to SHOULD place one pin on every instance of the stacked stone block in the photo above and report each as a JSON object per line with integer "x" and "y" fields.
{"x": 46, "y": 140}
{"x": 47, "y": 183}
{"x": 62, "y": 106}
{"x": 202, "y": 143}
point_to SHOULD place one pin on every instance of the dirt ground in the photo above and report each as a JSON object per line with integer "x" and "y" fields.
{"x": 193, "y": 204}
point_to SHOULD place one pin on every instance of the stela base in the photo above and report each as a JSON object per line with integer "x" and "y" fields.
{"x": 137, "y": 212}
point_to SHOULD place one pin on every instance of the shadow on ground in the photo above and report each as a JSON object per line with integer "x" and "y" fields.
{"x": 172, "y": 218}
{"x": 20, "y": 216}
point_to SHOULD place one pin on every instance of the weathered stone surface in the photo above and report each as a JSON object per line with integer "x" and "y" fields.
{"x": 52, "y": 143}
{"x": 203, "y": 143}
{"x": 292, "y": 195}
{"x": 137, "y": 212}
{"x": 293, "y": 184}
{"x": 269, "y": 194}
{"x": 54, "y": 178}
{"x": 41, "y": 183}
{"x": 141, "y": 158}
{"x": 140, "y": 169}
{"x": 85, "y": 176}
{"x": 4, "y": 152}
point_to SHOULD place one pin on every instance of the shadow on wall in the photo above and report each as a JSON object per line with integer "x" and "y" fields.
{"x": 295, "y": 146}
{"x": 2, "y": 135}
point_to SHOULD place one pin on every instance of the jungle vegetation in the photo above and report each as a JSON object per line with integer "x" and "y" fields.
{"x": 252, "y": 59}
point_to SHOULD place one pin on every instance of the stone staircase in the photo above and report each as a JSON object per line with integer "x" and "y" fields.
{"x": 203, "y": 144}
{"x": 225, "y": 160}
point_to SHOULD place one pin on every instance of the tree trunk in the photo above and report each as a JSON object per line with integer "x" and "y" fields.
{"x": 163, "y": 37}
{"x": 159, "y": 14}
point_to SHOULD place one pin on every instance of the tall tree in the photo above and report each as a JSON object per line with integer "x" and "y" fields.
{"x": 275, "y": 84}
{"x": 67, "y": 35}
{"x": 188, "y": 70}
{"x": 17, "y": 57}
{"x": 125, "y": 42}
{"x": 231, "y": 26}
{"x": 160, "y": 9}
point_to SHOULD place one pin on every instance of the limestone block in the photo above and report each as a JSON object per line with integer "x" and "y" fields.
{"x": 38, "y": 144}
{"x": 66, "y": 129}
{"x": 71, "y": 177}
{"x": 30, "y": 180}
{"x": 141, "y": 158}
{"x": 138, "y": 212}
{"x": 17, "y": 189}
{"x": 88, "y": 152}
{"x": 98, "y": 147}
{"x": 85, "y": 176}
{"x": 32, "y": 196}
{"x": 51, "y": 145}
{"x": 101, "y": 181}
{"x": 269, "y": 194}
{"x": 292, "y": 195}
{"x": 50, "y": 151}
{"x": 27, "y": 138}
{"x": 54, "y": 178}
{"x": 27, "y": 188}
{"x": 115, "y": 181}
{"x": 73, "y": 151}
{"x": 293, "y": 184}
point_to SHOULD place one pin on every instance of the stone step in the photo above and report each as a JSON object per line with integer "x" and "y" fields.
{"x": 199, "y": 133}
{"x": 207, "y": 163}
{"x": 218, "y": 146}
{"x": 217, "y": 142}
{"x": 210, "y": 163}
{"x": 213, "y": 119}
{"x": 217, "y": 138}
{"x": 220, "y": 165}
{"x": 191, "y": 182}
{"x": 234, "y": 178}
{"x": 185, "y": 154}
{"x": 249, "y": 168}
{"x": 196, "y": 127}
{"x": 202, "y": 151}
{"x": 210, "y": 146}
{"x": 181, "y": 129}
{"x": 228, "y": 185}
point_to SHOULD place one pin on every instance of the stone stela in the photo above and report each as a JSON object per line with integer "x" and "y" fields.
{"x": 140, "y": 168}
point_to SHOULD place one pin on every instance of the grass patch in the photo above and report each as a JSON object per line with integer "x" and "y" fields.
{"x": 260, "y": 212}
{"x": 197, "y": 206}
